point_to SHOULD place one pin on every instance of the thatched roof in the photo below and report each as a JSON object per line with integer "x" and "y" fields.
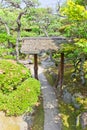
{"x": 35, "y": 45}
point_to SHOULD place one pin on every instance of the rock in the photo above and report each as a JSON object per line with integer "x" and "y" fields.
{"x": 76, "y": 104}
{"x": 43, "y": 55}
{"x": 67, "y": 97}
{"x": 12, "y": 123}
{"x": 23, "y": 126}
{"x": 26, "y": 61}
{"x": 28, "y": 117}
{"x": 83, "y": 120}
{"x": 54, "y": 76}
{"x": 47, "y": 63}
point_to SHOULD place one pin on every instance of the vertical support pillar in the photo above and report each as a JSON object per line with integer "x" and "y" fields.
{"x": 35, "y": 66}
{"x": 61, "y": 73}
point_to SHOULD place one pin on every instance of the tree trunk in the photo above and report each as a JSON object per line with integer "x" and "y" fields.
{"x": 35, "y": 66}
{"x": 6, "y": 26}
{"x": 18, "y": 33}
{"x": 61, "y": 74}
{"x": 17, "y": 45}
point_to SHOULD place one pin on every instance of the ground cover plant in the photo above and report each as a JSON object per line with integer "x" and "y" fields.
{"x": 69, "y": 114}
{"x": 18, "y": 90}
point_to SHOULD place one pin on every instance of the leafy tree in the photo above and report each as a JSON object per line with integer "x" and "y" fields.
{"x": 75, "y": 29}
{"x": 44, "y": 21}
{"x": 75, "y": 12}
{"x": 21, "y": 11}
{"x": 81, "y": 2}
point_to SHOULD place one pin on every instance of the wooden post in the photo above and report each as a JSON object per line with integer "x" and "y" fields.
{"x": 35, "y": 66}
{"x": 61, "y": 73}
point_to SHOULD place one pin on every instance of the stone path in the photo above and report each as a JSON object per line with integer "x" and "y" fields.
{"x": 52, "y": 119}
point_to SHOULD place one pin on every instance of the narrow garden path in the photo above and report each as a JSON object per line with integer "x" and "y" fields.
{"x": 52, "y": 119}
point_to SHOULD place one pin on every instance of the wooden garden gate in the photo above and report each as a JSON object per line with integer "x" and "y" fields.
{"x": 36, "y": 45}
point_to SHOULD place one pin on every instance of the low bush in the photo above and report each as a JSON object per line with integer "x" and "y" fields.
{"x": 18, "y": 91}
{"x": 21, "y": 100}
{"x": 11, "y": 75}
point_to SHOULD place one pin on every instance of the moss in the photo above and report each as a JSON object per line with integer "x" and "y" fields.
{"x": 38, "y": 121}
{"x": 49, "y": 78}
{"x": 69, "y": 116}
{"x": 51, "y": 75}
{"x": 68, "y": 113}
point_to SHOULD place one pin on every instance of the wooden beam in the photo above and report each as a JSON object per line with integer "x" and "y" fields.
{"x": 35, "y": 66}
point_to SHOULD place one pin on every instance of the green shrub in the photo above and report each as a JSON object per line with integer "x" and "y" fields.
{"x": 6, "y": 53}
{"x": 12, "y": 75}
{"x": 21, "y": 100}
{"x": 18, "y": 91}
{"x": 28, "y": 34}
{"x": 5, "y": 37}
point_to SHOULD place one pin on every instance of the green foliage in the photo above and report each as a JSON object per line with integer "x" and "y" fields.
{"x": 68, "y": 113}
{"x": 5, "y": 38}
{"x": 77, "y": 29}
{"x": 41, "y": 19}
{"x": 74, "y": 50}
{"x": 28, "y": 34}
{"x": 66, "y": 48}
{"x": 11, "y": 76}
{"x": 33, "y": 24}
{"x": 21, "y": 100}
{"x": 81, "y": 2}
{"x": 75, "y": 26}
{"x": 75, "y": 11}
{"x": 82, "y": 43}
{"x": 6, "y": 53}
{"x": 38, "y": 121}
{"x": 18, "y": 92}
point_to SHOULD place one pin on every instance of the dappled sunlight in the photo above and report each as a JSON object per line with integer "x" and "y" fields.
{"x": 65, "y": 120}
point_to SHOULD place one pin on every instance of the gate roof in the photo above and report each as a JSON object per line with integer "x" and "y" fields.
{"x": 35, "y": 45}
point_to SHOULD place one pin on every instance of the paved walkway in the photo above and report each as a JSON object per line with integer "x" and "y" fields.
{"x": 52, "y": 119}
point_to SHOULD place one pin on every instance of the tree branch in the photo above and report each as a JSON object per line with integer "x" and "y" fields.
{"x": 19, "y": 18}
{"x": 6, "y": 26}
{"x": 13, "y": 4}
